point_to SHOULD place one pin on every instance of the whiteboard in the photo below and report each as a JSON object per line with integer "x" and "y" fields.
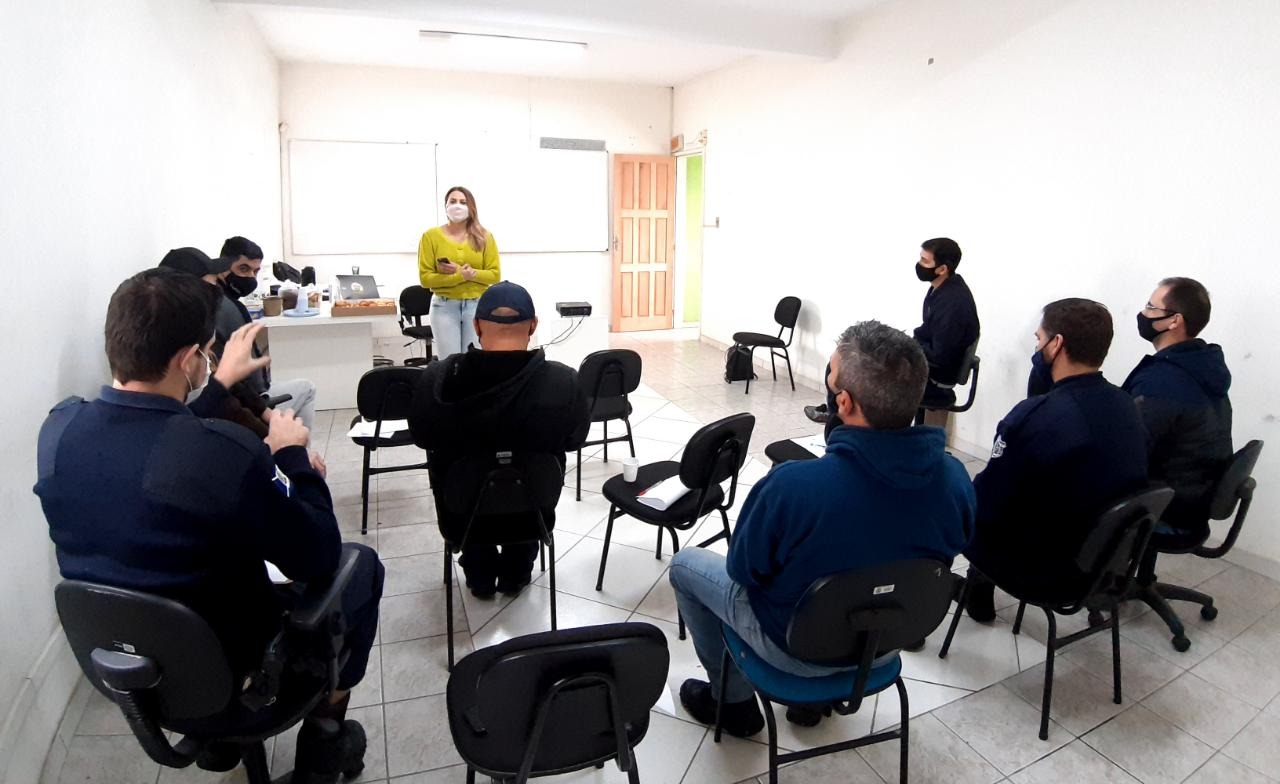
{"x": 360, "y": 197}
{"x": 533, "y": 200}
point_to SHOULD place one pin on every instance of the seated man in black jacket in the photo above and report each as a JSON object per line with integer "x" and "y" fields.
{"x": 142, "y": 492}
{"x": 1058, "y": 461}
{"x": 500, "y": 397}
{"x": 1181, "y": 392}
{"x": 949, "y": 325}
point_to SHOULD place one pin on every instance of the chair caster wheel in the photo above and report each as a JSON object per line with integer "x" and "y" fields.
{"x": 1181, "y": 644}
{"x": 1095, "y": 618}
{"x": 1209, "y": 612}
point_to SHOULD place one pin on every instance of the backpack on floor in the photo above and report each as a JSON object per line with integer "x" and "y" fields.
{"x": 737, "y": 364}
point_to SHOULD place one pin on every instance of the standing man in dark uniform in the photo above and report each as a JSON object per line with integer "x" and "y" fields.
{"x": 141, "y": 492}
{"x": 1058, "y": 461}
{"x": 1181, "y": 392}
{"x": 949, "y": 326}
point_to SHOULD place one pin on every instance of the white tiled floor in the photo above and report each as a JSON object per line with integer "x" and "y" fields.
{"x": 1209, "y": 716}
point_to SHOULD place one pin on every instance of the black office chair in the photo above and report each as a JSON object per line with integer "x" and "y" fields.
{"x": 497, "y": 499}
{"x": 162, "y": 664}
{"x": 786, "y": 314}
{"x": 968, "y": 374}
{"x": 715, "y": 453}
{"x": 1109, "y": 556}
{"x": 858, "y": 620}
{"x": 556, "y": 702}
{"x": 1233, "y": 493}
{"x": 384, "y": 393}
{"x": 786, "y": 451}
{"x": 609, "y": 377}
{"x": 415, "y": 304}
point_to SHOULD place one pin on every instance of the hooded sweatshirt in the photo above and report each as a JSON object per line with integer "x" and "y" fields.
{"x": 876, "y": 496}
{"x": 1181, "y": 392}
{"x": 486, "y": 401}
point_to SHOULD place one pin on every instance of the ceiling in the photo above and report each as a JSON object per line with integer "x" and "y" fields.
{"x": 658, "y": 42}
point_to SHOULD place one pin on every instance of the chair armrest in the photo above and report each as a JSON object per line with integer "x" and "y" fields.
{"x": 318, "y": 602}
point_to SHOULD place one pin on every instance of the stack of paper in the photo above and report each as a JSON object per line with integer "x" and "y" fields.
{"x": 364, "y": 428}
{"x": 815, "y": 444}
{"x": 662, "y": 495}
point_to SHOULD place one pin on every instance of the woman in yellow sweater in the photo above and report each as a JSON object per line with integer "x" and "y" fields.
{"x": 457, "y": 261}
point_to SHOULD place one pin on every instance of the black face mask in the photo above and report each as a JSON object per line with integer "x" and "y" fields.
{"x": 926, "y": 274}
{"x": 242, "y": 286}
{"x": 1147, "y": 326}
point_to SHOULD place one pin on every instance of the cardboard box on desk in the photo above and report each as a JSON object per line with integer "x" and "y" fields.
{"x": 364, "y": 307}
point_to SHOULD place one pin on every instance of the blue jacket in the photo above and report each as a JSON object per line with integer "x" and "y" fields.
{"x": 140, "y": 492}
{"x": 1181, "y": 392}
{"x": 1058, "y": 461}
{"x": 875, "y": 496}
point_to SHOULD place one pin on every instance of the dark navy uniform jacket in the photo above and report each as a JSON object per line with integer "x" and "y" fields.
{"x": 1058, "y": 461}
{"x": 142, "y": 493}
{"x": 950, "y": 326}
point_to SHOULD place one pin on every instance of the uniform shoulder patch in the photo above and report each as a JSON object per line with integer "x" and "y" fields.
{"x": 997, "y": 448}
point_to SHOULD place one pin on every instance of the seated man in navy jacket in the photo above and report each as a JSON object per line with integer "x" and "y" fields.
{"x": 1058, "y": 461}
{"x": 884, "y": 491}
{"x": 141, "y": 492}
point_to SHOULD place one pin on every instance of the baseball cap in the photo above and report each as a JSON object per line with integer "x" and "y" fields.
{"x": 194, "y": 261}
{"x": 505, "y": 295}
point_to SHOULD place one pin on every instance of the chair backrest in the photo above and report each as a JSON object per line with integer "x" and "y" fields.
{"x": 787, "y": 312}
{"x": 513, "y": 486}
{"x": 848, "y": 618}
{"x": 967, "y": 364}
{"x": 415, "y": 302}
{"x": 1113, "y": 549}
{"x": 717, "y": 451}
{"x": 175, "y": 647}
{"x": 558, "y": 701}
{"x": 610, "y": 373}
{"x": 1236, "y": 480}
{"x": 387, "y": 392}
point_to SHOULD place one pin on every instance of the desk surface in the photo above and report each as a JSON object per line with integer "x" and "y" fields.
{"x": 324, "y": 317}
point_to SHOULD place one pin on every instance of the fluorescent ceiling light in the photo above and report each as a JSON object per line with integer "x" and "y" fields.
{"x": 505, "y": 45}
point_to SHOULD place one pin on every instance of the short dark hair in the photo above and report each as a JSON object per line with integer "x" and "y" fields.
{"x": 1191, "y": 299}
{"x": 884, "y": 370}
{"x": 151, "y": 317}
{"x": 944, "y": 250}
{"x": 235, "y": 247}
{"x": 1085, "y": 327}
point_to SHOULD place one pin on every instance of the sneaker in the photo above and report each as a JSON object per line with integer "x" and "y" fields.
{"x": 739, "y": 719}
{"x": 806, "y": 715}
{"x": 513, "y": 585}
{"x": 817, "y": 413}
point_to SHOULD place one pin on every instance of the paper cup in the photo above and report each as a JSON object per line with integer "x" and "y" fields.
{"x": 630, "y": 469}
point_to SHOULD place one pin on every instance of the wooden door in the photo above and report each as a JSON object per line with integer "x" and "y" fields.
{"x": 644, "y": 242}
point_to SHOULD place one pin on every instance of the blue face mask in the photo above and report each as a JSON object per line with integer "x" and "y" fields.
{"x": 1041, "y": 378}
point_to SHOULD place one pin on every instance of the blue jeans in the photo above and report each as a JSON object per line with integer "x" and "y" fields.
{"x": 453, "y": 325}
{"x": 708, "y": 597}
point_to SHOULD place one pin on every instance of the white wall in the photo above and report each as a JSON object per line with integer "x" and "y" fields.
{"x": 355, "y": 103}
{"x": 1083, "y": 148}
{"x": 129, "y": 128}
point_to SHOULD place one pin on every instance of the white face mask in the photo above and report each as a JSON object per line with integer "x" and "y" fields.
{"x": 196, "y": 390}
{"x": 457, "y": 213}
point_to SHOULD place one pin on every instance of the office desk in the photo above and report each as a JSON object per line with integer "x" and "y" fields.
{"x": 331, "y": 352}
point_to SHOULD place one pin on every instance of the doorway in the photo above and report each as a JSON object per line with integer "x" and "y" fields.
{"x": 644, "y": 242}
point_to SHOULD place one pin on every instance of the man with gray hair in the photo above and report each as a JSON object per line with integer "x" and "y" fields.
{"x": 884, "y": 491}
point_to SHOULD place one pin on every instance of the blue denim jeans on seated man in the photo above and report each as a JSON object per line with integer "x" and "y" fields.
{"x": 707, "y": 597}
{"x": 453, "y": 326}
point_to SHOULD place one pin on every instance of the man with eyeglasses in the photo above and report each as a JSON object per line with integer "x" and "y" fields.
{"x": 1181, "y": 392}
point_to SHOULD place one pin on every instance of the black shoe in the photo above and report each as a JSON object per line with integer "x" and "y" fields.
{"x": 981, "y": 603}
{"x": 739, "y": 719}
{"x": 481, "y": 588}
{"x": 817, "y": 413}
{"x": 328, "y": 751}
{"x": 513, "y": 585}
{"x": 219, "y": 757}
{"x": 806, "y": 715}
{"x": 915, "y": 647}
